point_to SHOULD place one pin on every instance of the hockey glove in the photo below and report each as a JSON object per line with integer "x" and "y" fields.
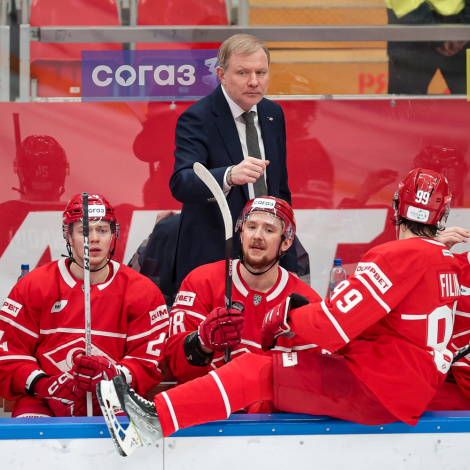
{"x": 57, "y": 392}
{"x": 221, "y": 329}
{"x": 275, "y": 322}
{"x": 89, "y": 370}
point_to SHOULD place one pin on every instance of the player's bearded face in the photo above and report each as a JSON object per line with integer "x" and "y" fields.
{"x": 261, "y": 237}
{"x": 100, "y": 238}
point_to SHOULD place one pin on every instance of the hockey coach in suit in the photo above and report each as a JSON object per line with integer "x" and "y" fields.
{"x": 213, "y": 132}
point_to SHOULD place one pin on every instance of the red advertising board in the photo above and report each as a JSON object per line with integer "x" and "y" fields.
{"x": 345, "y": 158}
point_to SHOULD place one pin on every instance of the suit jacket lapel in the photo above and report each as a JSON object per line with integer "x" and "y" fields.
{"x": 228, "y": 129}
{"x": 226, "y": 126}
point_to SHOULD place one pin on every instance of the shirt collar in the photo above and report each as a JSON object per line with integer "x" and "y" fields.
{"x": 234, "y": 108}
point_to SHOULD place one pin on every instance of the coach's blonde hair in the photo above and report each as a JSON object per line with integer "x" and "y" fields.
{"x": 243, "y": 44}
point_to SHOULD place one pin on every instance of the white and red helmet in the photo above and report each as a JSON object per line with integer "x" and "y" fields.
{"x": 273, "y": 205}
{"x": 423, "y": 196}
{"x": 98, "y": 209}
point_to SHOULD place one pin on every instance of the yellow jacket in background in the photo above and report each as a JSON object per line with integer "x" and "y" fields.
{"x": 443, "y": 7}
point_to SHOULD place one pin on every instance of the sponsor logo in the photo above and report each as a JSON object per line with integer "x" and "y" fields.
{"x": 417, "y": 214}
{"x": 464, "y": 290}
{"x": 375, "y": 274}
{"x": 11, "y": 307}
{"x": 289, "y": 359}
{"x": 447, "y": 253}
{"x": 58, "y": 306}
{"x": 185, "y": 298}
{"x": 96, "y": 211}
{"x": 183, "y": 74}
{"x": 158, "y": 314}
{"x": 264, "y": 203}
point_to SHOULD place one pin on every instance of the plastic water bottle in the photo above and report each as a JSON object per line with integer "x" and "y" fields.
{"x": 24, "y": 270}
{"x": 337, "y": 274}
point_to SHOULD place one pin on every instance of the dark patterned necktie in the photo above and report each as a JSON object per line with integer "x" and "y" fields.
{"x": 254, "y": 151}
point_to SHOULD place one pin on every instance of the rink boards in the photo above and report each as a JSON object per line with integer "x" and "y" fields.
{"x": 440, "y": 440}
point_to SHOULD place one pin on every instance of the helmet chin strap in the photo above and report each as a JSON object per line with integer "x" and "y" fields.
{"x": 278, "y": 258}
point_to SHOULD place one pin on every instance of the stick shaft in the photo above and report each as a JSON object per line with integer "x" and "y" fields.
{"x": 86, "y": 289}
{"x": 208, "y": 179}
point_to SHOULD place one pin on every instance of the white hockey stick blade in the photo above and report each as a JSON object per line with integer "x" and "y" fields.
{"x": 127, "y": 440}
{"x": 206, "y": 176}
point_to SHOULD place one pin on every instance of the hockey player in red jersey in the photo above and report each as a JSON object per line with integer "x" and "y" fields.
{"x": 43, "y": 367}
{"x": 387, "y": 325}
{"x": 454, "y": 393}
{"x": 200, "y": 326}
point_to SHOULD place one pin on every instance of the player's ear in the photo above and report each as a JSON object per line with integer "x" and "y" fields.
{"x": 221, "y": 74}
{"x": 286, "y": 244}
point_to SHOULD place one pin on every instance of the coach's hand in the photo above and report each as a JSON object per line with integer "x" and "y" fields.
{"x": 275, "y": 322}
{"x": 87, "y": 371}
{"x": 221, "y": 329}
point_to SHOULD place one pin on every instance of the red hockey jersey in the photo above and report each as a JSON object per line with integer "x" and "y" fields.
{"x": 203, "y": 290}
{"x": 42, "y": 325}
{"x": 392, "y": 320}
{"x": 461, "y": 335}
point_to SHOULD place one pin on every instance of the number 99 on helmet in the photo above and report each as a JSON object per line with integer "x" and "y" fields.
{"x": 423, "y": 196}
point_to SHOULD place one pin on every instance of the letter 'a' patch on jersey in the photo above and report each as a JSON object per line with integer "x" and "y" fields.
{"x": 58, "y": 306}
{"x": 375, "y": 274}
{"x": 11, "y": 307}
{"x": 185, "y": 298}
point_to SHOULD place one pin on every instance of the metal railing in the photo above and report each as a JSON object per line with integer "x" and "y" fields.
{"x": 201, "y": 34}
{"x": 4, "y": 63}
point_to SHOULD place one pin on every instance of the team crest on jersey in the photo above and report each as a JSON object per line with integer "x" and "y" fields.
{"x": 11, "y": 307}
{"x": 257, "y": 299}
{"x": 62, "y": 357}
{"x": 58, "y": 306}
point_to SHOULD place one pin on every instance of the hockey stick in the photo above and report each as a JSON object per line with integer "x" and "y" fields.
{"x": 86, "y": 286}
{"x": 206, "y": 176}
{"x": 461, "y": 353}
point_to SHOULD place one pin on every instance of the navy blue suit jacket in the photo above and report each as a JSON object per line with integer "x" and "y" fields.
{"x": 206, "y": 132}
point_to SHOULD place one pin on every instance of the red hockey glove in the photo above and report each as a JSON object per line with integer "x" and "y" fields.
{"x": 89, "y": 370}
{"x": 221, "y": 330}
{"x": 275, "y": 322}
{"x": 57, "y": 392}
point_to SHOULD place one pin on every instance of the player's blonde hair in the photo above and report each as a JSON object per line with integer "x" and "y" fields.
{"x": 244, "y": 44}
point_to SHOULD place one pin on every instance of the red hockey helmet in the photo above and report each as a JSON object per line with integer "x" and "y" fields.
{"x": 273, "y": 205}
{"x": 98, "y": 209}
{"x": 446, "y": 160}
{"x": 41, "y": 164}
{"x": 423, "y": 196}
